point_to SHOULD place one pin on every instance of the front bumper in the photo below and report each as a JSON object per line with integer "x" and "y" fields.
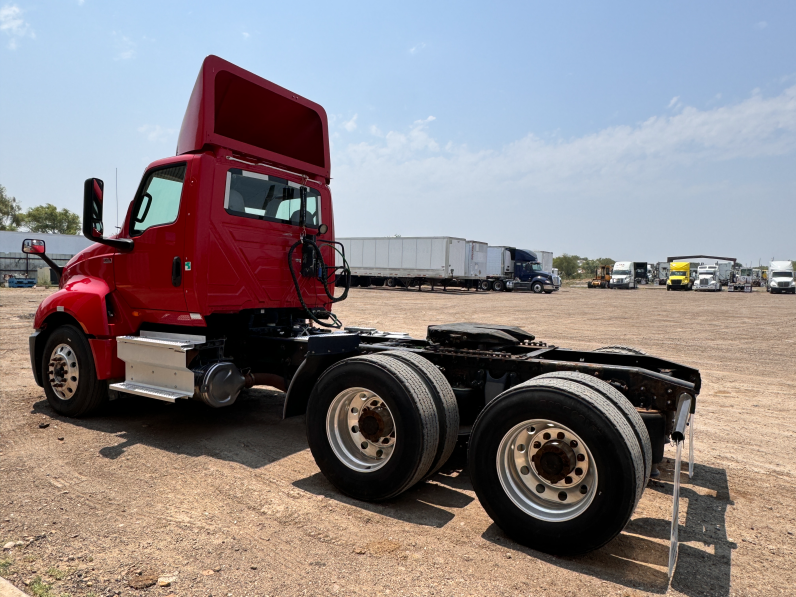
{"x": 613, "y": 284}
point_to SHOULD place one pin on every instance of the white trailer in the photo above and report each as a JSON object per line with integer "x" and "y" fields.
{"x": 546, "y": 259}
{"x": 475, "y": 259}
{"x": 414, "y": 261}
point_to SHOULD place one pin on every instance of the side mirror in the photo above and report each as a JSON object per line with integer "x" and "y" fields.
{"x": 92, "y": 208}
{"x": 93, "y": 190}
{"x": 33, "y": 246}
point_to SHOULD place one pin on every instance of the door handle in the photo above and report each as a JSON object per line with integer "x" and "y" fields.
{"x": 176, "y": 272}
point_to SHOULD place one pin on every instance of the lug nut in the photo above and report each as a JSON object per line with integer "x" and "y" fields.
{"x": 546, "y": 435}
{"x": 354, "y": 410}
{"x": 562, "y": 496}
{"x": 583, "y": 489}
{"x": 540, "y": 488}
{"x": 537, "y": 445}
{"x": 578, "y": 471}
{"x": 364, "y": 445}
{"x": 525, "y": 470}
{"x": 568, "y": 480}
{"x": 581, "y": 458}
{"x": 560, "y": 435}
{"x": 573, "y": 443}
{"x": 355, "y": 429}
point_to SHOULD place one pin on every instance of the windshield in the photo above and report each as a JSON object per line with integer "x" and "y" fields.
{"x": 621, "y": 272}
{"x": 678, "y": 273}
{"x": 782, "y": 274}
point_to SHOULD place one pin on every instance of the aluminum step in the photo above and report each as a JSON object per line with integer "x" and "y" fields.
{"x": 156, "y": 364}
{"x": 149, "y": 392}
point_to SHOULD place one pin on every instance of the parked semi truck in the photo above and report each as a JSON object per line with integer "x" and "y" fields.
{"x": 412, "y": 262}
{"x": 780, "y": 278}
{"x": 623, "y": 275}
{"x": 221, "y": 278}
{"x": 708, "y": 278}
{"x": 681, "y": 275}
{"x": 509, "y": 268}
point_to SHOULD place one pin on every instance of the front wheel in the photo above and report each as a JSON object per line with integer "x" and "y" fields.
{"x": 69, "y": 376}
{"x": 537, "y": 287}
{"x": 556, "y": 466}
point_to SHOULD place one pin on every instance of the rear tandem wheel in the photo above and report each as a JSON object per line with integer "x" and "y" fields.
{"x": 556, "y": 466}
{"x": 372, "y": 427}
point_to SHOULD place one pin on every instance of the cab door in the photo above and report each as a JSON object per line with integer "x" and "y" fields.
{"x": 151, "y": 275}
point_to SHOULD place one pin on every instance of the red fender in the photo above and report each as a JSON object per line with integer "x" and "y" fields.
{"x": 83, "y": 299}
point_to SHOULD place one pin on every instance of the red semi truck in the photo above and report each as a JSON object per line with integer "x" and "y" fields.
{"x": 218, "y": 280}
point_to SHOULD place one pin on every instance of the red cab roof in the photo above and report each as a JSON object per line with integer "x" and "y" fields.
{"x": 233, "y": 108}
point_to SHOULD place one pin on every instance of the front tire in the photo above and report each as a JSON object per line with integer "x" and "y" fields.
{"x": 579, "y": 434}
{"x": 372, "y": 427}
{"x": 69, "y": 375}
{"x": 537, "y": 287}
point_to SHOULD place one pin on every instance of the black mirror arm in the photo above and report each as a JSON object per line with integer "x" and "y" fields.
{"x": 53, "y": 266}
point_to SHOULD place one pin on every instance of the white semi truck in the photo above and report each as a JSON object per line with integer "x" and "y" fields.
{"x": 780, "y": 278}
{"x": 623, "y": 275}
{"x": 708, "y": 278}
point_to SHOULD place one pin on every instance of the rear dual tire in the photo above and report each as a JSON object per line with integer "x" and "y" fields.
{"x": 379, "y": 424}
{"x": 522, "y": 492}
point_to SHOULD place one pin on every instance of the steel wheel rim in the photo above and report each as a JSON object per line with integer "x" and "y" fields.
{"x": 521, "y": 478}
{"x": 362, "y": 450}
{"x": 63, "y": 371}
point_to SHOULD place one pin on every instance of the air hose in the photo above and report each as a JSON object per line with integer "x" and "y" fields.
{"x": 310, "y": 244}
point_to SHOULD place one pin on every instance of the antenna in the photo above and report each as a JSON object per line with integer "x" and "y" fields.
{"x": 117, "y": 198}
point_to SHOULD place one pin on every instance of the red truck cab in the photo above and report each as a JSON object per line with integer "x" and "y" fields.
{"x": 207, "y": 232}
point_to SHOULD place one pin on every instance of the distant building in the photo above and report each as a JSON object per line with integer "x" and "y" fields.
{"x": 60, "y": 248}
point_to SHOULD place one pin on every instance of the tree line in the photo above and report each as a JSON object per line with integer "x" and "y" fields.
{"x": 573, "y": 266}
{"x": 45, "y": 219}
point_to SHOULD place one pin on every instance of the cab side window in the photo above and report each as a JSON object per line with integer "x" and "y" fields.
{"x": 265, "y": 197}
{"x": 159, "y": 201}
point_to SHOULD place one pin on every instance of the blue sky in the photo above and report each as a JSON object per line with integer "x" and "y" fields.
{"x": 590, "y": 128}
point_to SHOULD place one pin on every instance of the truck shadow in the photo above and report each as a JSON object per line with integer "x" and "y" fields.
{"x": 252, "y": 432}
{"x": 426, "y": 504}
{"x": 638, "y": 557}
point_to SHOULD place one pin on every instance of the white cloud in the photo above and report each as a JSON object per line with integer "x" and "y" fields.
{"x": 351, "y": 125}
{"x": 156, "y": 133}
{"x": 13, "y": 25}
{"x": 245, "y": 35}
{"x": 674, "y": 101}
{"x": 417, "y": 48}
{"x": 761, "y": 25}
{"x": 375, "y": 131}
{"x": 431, "y": 187}
{"x": 125, "y": 47}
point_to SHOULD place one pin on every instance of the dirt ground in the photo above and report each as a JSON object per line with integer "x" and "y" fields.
{"x": 230, "y": 502}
